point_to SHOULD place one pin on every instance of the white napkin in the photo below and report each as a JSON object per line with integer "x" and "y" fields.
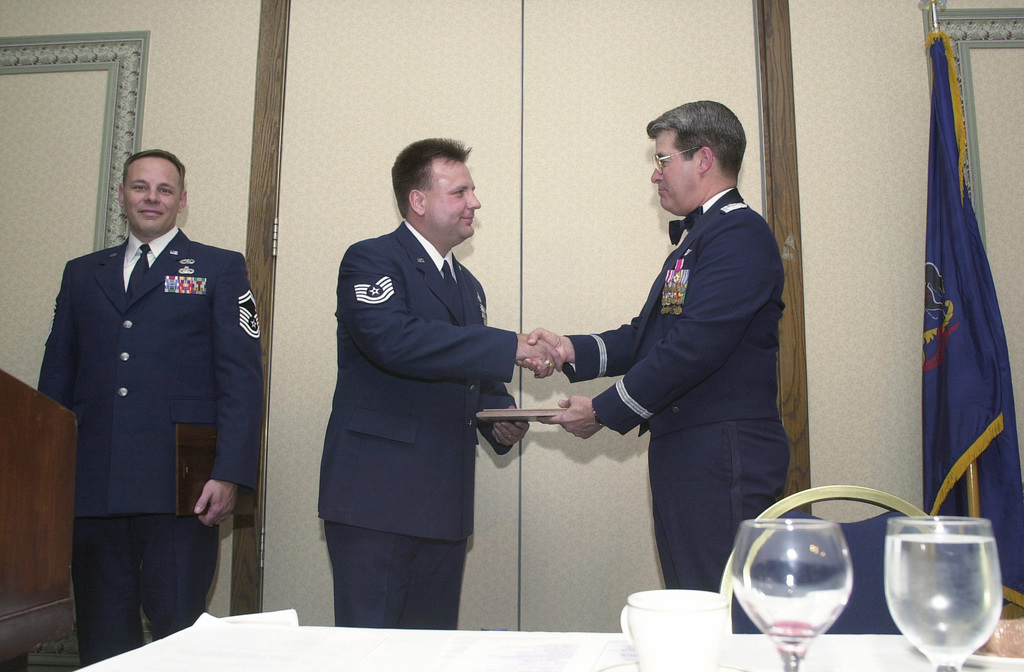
{"x": 288, "y": 617}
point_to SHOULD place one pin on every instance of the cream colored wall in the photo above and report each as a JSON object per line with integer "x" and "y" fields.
{"x": 594, "y": 238}
{"x": 200, "y": 84}
{"x": 998, "y": 88}
{"x": 862, "y": 101}
{"x": 862, "y": 111}
{"x": 47, "y": 213}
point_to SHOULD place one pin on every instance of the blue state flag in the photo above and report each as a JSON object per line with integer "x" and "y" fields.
{"x": 967, "y": 397}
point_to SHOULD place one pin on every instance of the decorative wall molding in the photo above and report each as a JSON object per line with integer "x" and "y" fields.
{"x": 971, "y": 29}
{"x": 123, "y": 57}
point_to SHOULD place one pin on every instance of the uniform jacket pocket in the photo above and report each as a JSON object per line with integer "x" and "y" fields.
{"x": 385, "y": 425}
{"x": 194, "y": 411}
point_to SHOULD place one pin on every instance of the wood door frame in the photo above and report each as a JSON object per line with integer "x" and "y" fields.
{"x": 782, "y": 210}
{"x": 260, "y": 255}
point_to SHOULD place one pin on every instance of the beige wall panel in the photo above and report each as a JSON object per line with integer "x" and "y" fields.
{"x": 200, "y": 86}
{"x": 998, "y": 76}
{"x": 863, "y": 114}
{"x": 363, "y": 82}
{"x": 199, "y": 91}
{"x": 862, "y": 110}
{"x": 47, "y": 212}
{"x": 594, "y": 238}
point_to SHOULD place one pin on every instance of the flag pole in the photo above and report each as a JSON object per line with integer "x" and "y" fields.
{"x": 973, "y": 496}
{"x": 933, "y": 7}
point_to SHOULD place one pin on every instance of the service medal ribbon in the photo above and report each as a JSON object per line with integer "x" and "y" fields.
{"x": 176, "y": 284}
{"x": 674, "y": 292}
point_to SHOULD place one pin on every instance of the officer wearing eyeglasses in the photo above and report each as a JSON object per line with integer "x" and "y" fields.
{"x": 698, "y": 363}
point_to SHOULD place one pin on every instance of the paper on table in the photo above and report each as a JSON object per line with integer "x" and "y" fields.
{"x": 284, "y": 617}
{"x": 507, "y": 652}
{"x": 618, "y": 652}
{"x": 214, "y": 645}
{"x": 527, "y": 414}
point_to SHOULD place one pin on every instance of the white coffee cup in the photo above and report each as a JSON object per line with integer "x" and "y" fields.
{"x": 675, "y": 630}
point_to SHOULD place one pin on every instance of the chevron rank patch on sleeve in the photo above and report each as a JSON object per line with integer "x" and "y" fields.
{"x": 247, "y": 317}
{"x": 378, "y": 292}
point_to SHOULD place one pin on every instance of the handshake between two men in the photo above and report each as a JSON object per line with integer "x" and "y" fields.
{"x": 545, "y": 352}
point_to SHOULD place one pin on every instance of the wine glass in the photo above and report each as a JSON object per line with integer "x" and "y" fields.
{"x": 793, "y": 578}
{"x": 943, "y": 585}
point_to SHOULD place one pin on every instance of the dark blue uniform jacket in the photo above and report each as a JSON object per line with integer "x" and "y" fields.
{"x": 185, "y": 350}
{"x": 400, "y": 450}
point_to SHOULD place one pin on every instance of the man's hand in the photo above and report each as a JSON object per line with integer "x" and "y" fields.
{"x": 539, "y": 357}
{"x": 562, "y": 345}
{"x": 217, "y": 502}
{"x": 578, "y": 418}
{"x": 509, "y": 433}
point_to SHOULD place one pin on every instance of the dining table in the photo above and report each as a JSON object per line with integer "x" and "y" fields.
{"x": 276, "y": 642}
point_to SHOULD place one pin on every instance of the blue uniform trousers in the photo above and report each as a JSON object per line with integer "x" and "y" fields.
{"x": 705, "y": 480}
{"x": 388, "y": 580}
{"x": 161, "y": 563}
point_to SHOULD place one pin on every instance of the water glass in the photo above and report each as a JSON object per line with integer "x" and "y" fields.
{"x": 943, "y": 585}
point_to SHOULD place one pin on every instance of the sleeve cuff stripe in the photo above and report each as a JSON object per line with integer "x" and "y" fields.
{"x": 631, "y": 403}
{"x": 602, "y": 351}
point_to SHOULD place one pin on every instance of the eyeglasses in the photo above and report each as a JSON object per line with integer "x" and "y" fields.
{"x": 660, "y": 161}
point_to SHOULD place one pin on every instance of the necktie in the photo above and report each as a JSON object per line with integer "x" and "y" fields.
{"x": 449, "y": 279}
{"x": 677, "y": 226}
{"x": 455, "y": 299}
{"x": 141, "y": 266}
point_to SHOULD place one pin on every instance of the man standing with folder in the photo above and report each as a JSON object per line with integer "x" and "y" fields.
{"x": 158, "y": 331}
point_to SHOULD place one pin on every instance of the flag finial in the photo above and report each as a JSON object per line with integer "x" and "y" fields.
{"x": 933, "y": 7}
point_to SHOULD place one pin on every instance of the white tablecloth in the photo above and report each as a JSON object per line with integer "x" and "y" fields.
{"x": 278, "y": 645}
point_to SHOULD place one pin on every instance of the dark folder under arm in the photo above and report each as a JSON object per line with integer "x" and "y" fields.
{"x": 196, "y": 449}
{"x": 195, "y": 452}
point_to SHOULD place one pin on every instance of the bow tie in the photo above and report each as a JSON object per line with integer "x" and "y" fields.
{"x": 677, "y": 226}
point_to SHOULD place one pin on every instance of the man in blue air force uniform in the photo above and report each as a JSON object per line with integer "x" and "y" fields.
{"x": 157, "y": 331}
{"x": 416, "y": 362}
{"x": 699, "y": 361}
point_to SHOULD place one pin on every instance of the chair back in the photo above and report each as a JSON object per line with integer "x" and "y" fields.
{"x": 867, "y": 611}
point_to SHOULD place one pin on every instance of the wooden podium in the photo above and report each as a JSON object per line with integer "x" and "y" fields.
{"x": 37, "y": 480}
